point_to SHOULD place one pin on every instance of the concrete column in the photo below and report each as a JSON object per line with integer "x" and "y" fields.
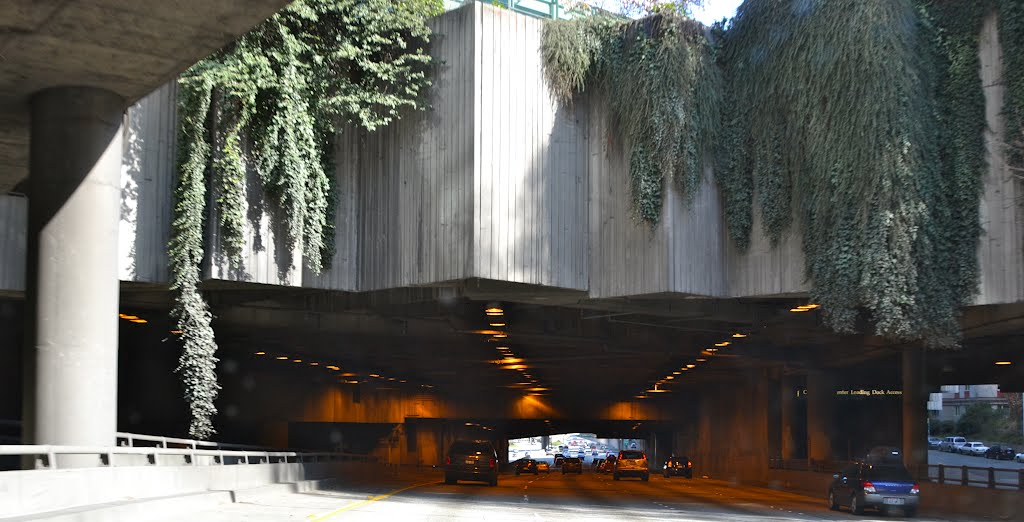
{"x": 72, "y": 294}
{"x": 821, "y": 412}
{"x": 915, "y": 411}
{"x": 787, "y": 406}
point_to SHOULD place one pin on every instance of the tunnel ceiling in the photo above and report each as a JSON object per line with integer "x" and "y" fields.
{"x": 584, "y": 352}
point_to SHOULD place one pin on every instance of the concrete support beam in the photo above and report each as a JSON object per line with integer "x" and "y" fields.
{"x": 787, "y": 413}
{"x": 821, "y": 412}
{"x": 72, "y": 284}
{"x": 915, "y": 413}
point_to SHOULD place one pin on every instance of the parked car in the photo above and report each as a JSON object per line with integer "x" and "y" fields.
{"x": 951, "y": 444}
{"x": 974, "y": 448}
{"x": 678, "y": 466}
{"x": 543, "y": 467}
{"x": 631, "y": 463}
{"x": 525, "y": 466}
{"x": 607, "y": 465}
{"x": 580, "y": 454}
{"x": 572, "y": 465}
{"x": 877, "y": 486}
{"x": 1000, "y": 452}
{"x": 1019, "y": 457}
{"x": 474, "y": 460}
{"x": 934, "y": 442}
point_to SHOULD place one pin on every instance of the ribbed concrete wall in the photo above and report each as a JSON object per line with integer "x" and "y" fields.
{"x": 13, "y": 242}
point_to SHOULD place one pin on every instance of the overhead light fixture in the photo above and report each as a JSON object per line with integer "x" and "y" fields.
{"x": 346, "y": 374}
{"x": 348, "y": 381}
{"x": 375, "y": 375}
{"x": 334, "y": 368}
{"x": 261, "y": 353}
{"x": 722, "y": 344}
{"x": 139, "y": 321}
{"x": 810, "y": 306}
{"x": 656, "y": 390}
{"x": 684, "y": 368}
{"x": 177, "y": 332}
{"x": 1003, "y": 363}
{"x": 711, "y": 350}
{"x": 314, "y": 364}
{"x": 282, "y": 358}
{"x": 798, "y": 310}
{"x": 500, "y": 335}
{"x": 738, "y": 335}
{"x": 677, "y": 372}
{"x": 297, "y": 360}
{"x": 494, "y": 311}
{"x": 509, "y": 360}
{"x": 688, "y": 366}
{"x": 128, "y": 317}
{"x": 639, "y": 396}
{"x": 702, "y": 360}
{"x": 519, "y": 367}
{"x": 497, "y": 325}
{"x": 537, "y": 389}
{"x": 670, "y": 377}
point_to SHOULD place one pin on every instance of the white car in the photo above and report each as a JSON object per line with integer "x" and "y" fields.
{"x": 1019, "y": 457}
{"x": 974, "y": 448}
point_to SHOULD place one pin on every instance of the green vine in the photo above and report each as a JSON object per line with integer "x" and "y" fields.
{"x": 659, "y": 80}
{"x": 1011, "y": 37}
{"x": 272, "y": 103}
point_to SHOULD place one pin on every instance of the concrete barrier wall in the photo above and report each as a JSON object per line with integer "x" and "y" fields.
{"x": 39, "y": 491}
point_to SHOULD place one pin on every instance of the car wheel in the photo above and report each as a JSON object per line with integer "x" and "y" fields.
{"x": 646, "y": 477}
{"x": 855, "y": 506}
{"x": 832, "y": 504}
{"x": 615, "y": 476}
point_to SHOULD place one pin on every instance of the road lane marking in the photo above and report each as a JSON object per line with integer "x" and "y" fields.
{"x": 371, "y": 498}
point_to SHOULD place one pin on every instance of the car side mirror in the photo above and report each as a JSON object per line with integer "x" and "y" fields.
{"x": 835, "y": 476}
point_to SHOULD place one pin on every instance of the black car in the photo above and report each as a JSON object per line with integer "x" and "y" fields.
{"x": 878, "y": 486}
{"x": 558, "y": 459}
{"x": 678, "y": 466}
{"x": 572, "y": 465}
{"x": 474, "y": 460}
{"x": 526, "y": 466}
{"x": 1000, "y": 452}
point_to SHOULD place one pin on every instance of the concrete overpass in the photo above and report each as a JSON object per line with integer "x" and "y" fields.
{"x": 518, "y": 205}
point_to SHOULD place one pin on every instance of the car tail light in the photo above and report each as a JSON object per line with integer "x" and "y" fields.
{"x": 868, "y": 487}
{"x": 448, "y": 460}
{"x": 915, "y": 489}
{"x": 493, "y": 463}
{"x": 689, "y": 464}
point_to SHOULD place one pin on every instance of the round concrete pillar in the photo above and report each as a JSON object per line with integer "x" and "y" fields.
{"x": 915, "y": 411}
{"x": 72, "y": 294}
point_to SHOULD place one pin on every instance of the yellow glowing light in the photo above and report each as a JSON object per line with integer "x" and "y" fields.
{"x": 519, "y": 367}
{"x": 677, "y": 372}
{"x": 335, "y": 368}
{"x": 702, "y": 360}
{"x": 670, "y": 377}
{"x": 798, "y": 310}
{"x": 497, "y": 325}
{"x": 691, "y": 365}
{"x": 346, "y": 374}
{"x": 261, "y": 353}
{"x": 739, "y": 335}
{"x": 139, "y": 321}
{"x": 500, "y": 335}
{"x": 538, "y": 389}
{"x": 392, "y": 379}
{"x": 128, "y": 317}
{"x": 375, "y": 376}
{"x": 1003, "y": 363}
{"x": 811, "y": 306}
{"x": 297, "y": 360}
{"x": 177, "y": 332}
{"x": 494, "y": 311}
{"x": 282, "y": 358}
{"x": 656, "y": 390}
{"x": 509, "y": 360}
{"x": 722, "y": 344}
{"x": 487, "y": 332}
{"x": 350, "y": 382}
{"x": 314, "y": 364}
{"x": 711, "y": 350}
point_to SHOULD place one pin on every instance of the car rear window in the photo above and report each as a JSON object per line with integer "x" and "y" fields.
{"x": 470, "y": 448}
{"x": 889, "y": 473}
{"x": 631, "y": 455}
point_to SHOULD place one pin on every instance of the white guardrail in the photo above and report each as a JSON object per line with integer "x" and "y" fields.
{"x": 191, "y": 452}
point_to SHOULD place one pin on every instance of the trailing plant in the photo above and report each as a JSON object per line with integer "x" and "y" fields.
{"x": 658, "y": 78}
{"x": 1011, "y": 37}
{"x": 271, "y": 103}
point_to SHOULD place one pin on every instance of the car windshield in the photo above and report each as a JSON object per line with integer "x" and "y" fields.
{"x": 631, "y": 455}
{"x": 470, "y": 448}
{"x": 889, "y": 473}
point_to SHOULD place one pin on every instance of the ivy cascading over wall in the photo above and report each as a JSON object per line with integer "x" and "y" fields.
{"x": 860, "y": 121}
{"x": 272, "y": 103}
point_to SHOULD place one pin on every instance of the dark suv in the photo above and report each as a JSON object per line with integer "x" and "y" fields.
{"x": 471, "y": 460}
{"x": 1000, "y": 452}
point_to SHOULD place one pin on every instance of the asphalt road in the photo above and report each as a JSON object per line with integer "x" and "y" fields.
{"x": 422, "y": 496}
{"x": 955, "y": 459}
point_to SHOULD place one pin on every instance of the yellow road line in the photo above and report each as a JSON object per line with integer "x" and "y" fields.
{"x": 342, "y": 509}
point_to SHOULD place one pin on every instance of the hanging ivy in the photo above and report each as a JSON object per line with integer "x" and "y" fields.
{"x": 271, "y": 103}
{"x": 1011, "y": 37}
{"x": 658, "y": 79}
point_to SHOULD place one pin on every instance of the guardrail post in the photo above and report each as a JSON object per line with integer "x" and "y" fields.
{"x": 1020, "y": 480}
{"x": 942, "y": 474}
{"x": 964, "y": 478}
{"x": 991, "y": 478}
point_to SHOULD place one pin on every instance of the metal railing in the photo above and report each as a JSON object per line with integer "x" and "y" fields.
{"x": 992, "y": 478}
{"x": 158, "y": 450}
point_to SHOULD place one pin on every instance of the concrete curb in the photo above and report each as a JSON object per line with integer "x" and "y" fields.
{"x": 142, "y": 509}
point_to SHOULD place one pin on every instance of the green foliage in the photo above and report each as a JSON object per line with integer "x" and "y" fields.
{"x": 863, "y": 121}
{"x": 1011, "y": 37}
{"x": 272, "y": 103}
{"x": 658, "y": 77}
